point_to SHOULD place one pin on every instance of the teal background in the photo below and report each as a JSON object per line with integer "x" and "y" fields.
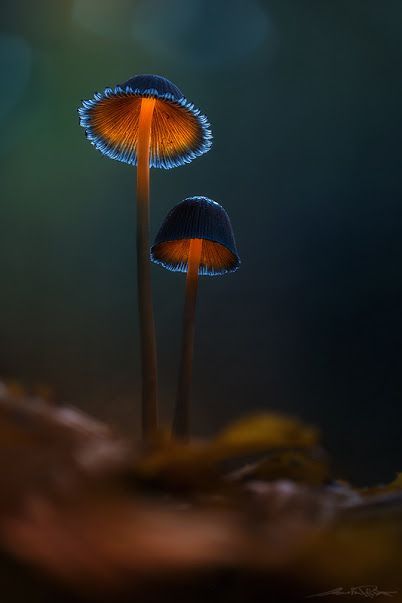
{"x": 304, "y": 98}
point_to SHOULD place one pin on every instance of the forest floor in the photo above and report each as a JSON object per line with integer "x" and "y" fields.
{"x": 251, "y": 515}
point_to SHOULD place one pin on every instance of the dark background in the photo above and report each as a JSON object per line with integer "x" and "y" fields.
{"x": 304, "y": 98}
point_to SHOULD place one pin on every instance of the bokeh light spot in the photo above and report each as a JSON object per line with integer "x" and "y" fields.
{"x": 194, "y": 32}
{"x": 107, "y": 18}
{"x": 207, "y": 34}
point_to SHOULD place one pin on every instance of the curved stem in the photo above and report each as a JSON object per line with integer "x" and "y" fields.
{"x": 181, "y": 423}
{"x": 147, "y": 325}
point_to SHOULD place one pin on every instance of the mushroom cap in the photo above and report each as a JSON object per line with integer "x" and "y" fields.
{"x": 196, "y": 218}
{"x": 179, "y": 132}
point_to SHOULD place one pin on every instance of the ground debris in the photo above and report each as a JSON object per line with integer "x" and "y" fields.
{"x": 84, "y": 515}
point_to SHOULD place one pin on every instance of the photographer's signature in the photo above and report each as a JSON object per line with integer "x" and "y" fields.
{"x": 366, "y": 590}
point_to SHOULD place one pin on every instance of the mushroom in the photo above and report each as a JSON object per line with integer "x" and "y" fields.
{"x": 146, "y": 122}
{"x": 196, "y": 237}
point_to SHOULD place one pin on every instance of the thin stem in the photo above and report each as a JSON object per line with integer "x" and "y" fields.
{"x": 147, "y": 325}
{"x": 181, "y": 423}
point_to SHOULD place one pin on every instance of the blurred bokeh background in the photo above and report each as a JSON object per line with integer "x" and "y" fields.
{"x": 304, "y": 98}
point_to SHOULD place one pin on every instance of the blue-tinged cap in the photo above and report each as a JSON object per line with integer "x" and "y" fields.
{"x": 179, "y": 132}
{"x": 197, "y": 218}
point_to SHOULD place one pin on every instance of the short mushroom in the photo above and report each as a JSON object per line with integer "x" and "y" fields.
{"x": 146, "y": 122}
{"x": 196, "y": 237}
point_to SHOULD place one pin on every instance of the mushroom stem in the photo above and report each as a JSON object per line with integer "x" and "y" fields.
{"x": 181, "y": 422}
{"x": 146, "y": 317}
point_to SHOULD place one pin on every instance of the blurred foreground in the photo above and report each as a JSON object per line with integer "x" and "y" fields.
{"x": 252, "y": 515}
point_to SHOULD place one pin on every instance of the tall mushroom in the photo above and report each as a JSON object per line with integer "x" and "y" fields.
{"x": 196, "y": 237}
{"x": 146, "y": 122}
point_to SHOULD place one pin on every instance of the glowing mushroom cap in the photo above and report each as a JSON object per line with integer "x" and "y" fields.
{"x": 179, "y": 133}
{"x": 196, "y": 218}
